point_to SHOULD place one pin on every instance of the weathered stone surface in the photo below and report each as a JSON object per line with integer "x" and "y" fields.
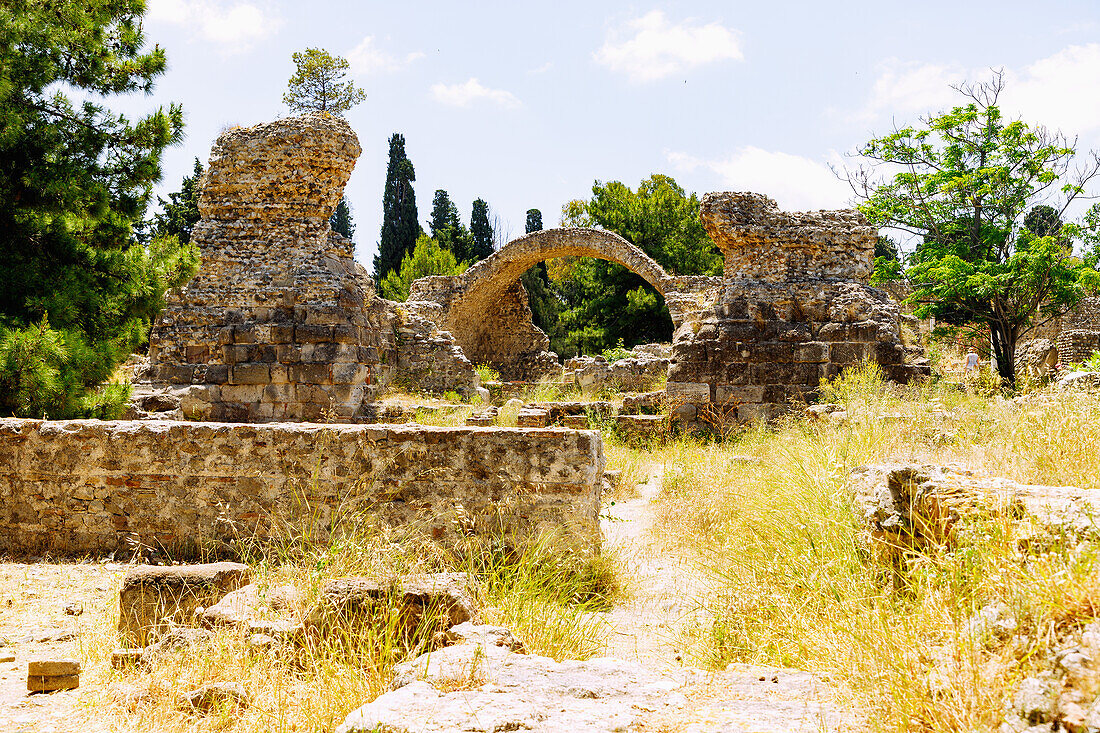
{"x": 175, "y": 639}
{"x": 54, "y": 668}
{"x": 40, "y": 683}
{"x": 212, "y": 696}
{"x": 1036, "y": 359}
{"x": 646, "y": 403}
{"x": 642, "y": 428}
{"x": 530, "y": 417}
{"x": 153, "y": 597}
{"x": 632, "y": 374}
{"x": 1080, "y": 380}
{"x": 92, "y": 486}
{"x": 506, "y": 690}
{"x": 236, "y": 608}
{"x": 126, "y": 658}
{"x": 908, "y": 505}
{"x": 442, "y": 599}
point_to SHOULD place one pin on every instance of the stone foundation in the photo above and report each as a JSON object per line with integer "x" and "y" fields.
{"x": 85, "y": 486}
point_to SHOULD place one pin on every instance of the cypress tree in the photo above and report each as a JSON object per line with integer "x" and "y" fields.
{"x": 447, "y": 228}
{"x": 341, "y": 221}
{"x": 534, "y": 221}
{"x": 400, "y": 227}
{"x": 481, "y": 233}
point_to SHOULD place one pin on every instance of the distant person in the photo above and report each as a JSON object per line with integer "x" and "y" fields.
{"x": 971, "y": 363}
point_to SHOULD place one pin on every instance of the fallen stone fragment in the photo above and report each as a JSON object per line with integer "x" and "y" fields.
{"x": 6, "y": 657}
{"x": 236, "y": 608}
{"x": 74, "y": 609}
{"x": 212, "y": 696}
{"x": 482, "y": 685}
{"x": 350, "y": 601}
{"x": 154, "y": 596}
{"x": 53, "y": 674}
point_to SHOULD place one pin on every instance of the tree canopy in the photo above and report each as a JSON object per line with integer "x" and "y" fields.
{"x": 481, "y": 232}
{"x": 428, "y": 257}
{"x": 985, "y": 196}
{"x": 599, "y": 303}
{"x": 341, "y": 220}
{"x": 318, "y": 84}
{"x": 77, "y": 291}
{"x": 180, "y": 212}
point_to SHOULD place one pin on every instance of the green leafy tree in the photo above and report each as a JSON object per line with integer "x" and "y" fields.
{"x": 965, "y": 181}
{"x": 481, "y": 232}
{"x": 318, "y": 84}
{"x": 77, "y": 291}
{"x": 447, "y": 228}
{"x": 180, "y": 212}
{"x": 534, "y": 221}
{"x": 400, "y": 227}
{"x": 341, "y": 220}
{"x": 603, "y": 303}
{"x": 427, "y": 258}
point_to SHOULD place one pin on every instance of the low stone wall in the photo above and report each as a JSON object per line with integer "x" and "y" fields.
{"x": 187, "y": 488}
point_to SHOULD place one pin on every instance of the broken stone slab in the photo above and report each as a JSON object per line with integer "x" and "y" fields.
{"x": 440, "y": 599}
{"x": 908, "y": 504}
{"x": 153, "y": 597}
{"x": 6, "y": 657}
{"x": 236, "y": 608}
{"x": 212, "y": 696}
{"x": 481, "y": 684}
{"x": 53, "y": 674}
{"x": 532, "y": 418}
{"x": 646, "y": 403}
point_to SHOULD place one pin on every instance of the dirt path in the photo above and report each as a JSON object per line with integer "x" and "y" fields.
{"x": 34, "y": 625}
{"x": 665, "y": 597}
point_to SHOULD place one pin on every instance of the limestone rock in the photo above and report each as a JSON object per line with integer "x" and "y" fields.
{"x": 441, "y": 599}
{"x": 236, "y": 608}
{"x": 154, "y": 596}
{"x": 52, "y": 675}
{"x": 1080, "y": 380}
{"x": 482, "y": 685}
{"x": 532, "y": 418}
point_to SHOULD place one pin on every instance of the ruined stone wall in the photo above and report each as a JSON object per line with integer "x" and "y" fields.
{"x": 280, "y": 323}
{"x": 86, "y": 486}
{"x": 792, "y": 309}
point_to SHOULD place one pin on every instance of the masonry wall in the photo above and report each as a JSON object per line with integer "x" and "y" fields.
{"x": 84, "y": 486}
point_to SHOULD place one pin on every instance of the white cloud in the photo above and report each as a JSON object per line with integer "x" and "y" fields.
{"x": 366, "y": 59}
{"x": 1056, "y": 91}
{"x": 234, "y": 25}
{"x": 542, "y": 69}
{"x": 796, "y": 183}
{"x": 465, "y": 94}
{"x": 650, "y": 47}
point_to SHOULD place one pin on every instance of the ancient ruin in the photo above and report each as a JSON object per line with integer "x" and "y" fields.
{"x": 282, "y": 324}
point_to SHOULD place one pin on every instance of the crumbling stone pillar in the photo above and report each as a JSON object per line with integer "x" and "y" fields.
{"x": 793, "y": 308}
{"x": 280, "y": 323}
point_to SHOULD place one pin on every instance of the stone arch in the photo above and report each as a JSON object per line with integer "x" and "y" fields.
{"x": 486, "y": 310}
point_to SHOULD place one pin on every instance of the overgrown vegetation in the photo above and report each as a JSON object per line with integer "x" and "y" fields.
{"x": 769, "y": 517}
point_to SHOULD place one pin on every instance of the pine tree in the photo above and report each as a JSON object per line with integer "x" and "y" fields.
{"x": 427, "y": 258}
{"x": 534, "y": 221}
{"x": 481, "y": 233}
{"x": 341, "y": 220}
{"x": 77, "y": 291}
{"x": 400, "y": 227}
{"x": 318, "y": 84}
{"x": 180, "y": 212}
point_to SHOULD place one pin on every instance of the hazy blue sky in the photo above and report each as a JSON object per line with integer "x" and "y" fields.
{"x": 526, "y": 104}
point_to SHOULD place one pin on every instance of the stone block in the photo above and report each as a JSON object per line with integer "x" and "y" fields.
{"x": 322, "y": 353}
{"x": 282, "y": 334}
{"x": 693, "y": 392}
{"x": 279, "y": 393}
{"x": 213, "y": 374}
{"x": 236, "y": 353}
{"x": 754, "y": 411}
{"x": 54, "y": 668}
{"x": 153, "y": 597}
{"x": 350, "y": 373}
{"x": 312, "y": 333}
{"x": 346, "y": 334}
{"x": 250, "y": 374}
{"x": 847, "y": 353}
{"x": 311, "y": 373}
{"x": 175, "y": 373}
{"x": 40, "y": 683}
{"x": 432, "y": 602}
{"x": 533, "y": 418}
{"x": 251, "y": 334}
{"x": 725, "y": 394}
{"x": 814, "y": 351}
{"x": 288, "y": 353}
{"x": 575, "y": 422}
{"x": 243, "y": 393}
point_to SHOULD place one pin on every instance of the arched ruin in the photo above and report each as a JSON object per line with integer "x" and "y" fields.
{"x": 486, "y": 310}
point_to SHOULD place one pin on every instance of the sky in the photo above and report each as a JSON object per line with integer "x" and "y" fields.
{"x": 526, "y": 105}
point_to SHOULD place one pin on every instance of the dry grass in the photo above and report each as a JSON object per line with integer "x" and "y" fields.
{"x": 548, "y": 598}
{"x": 793, "y": 586}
